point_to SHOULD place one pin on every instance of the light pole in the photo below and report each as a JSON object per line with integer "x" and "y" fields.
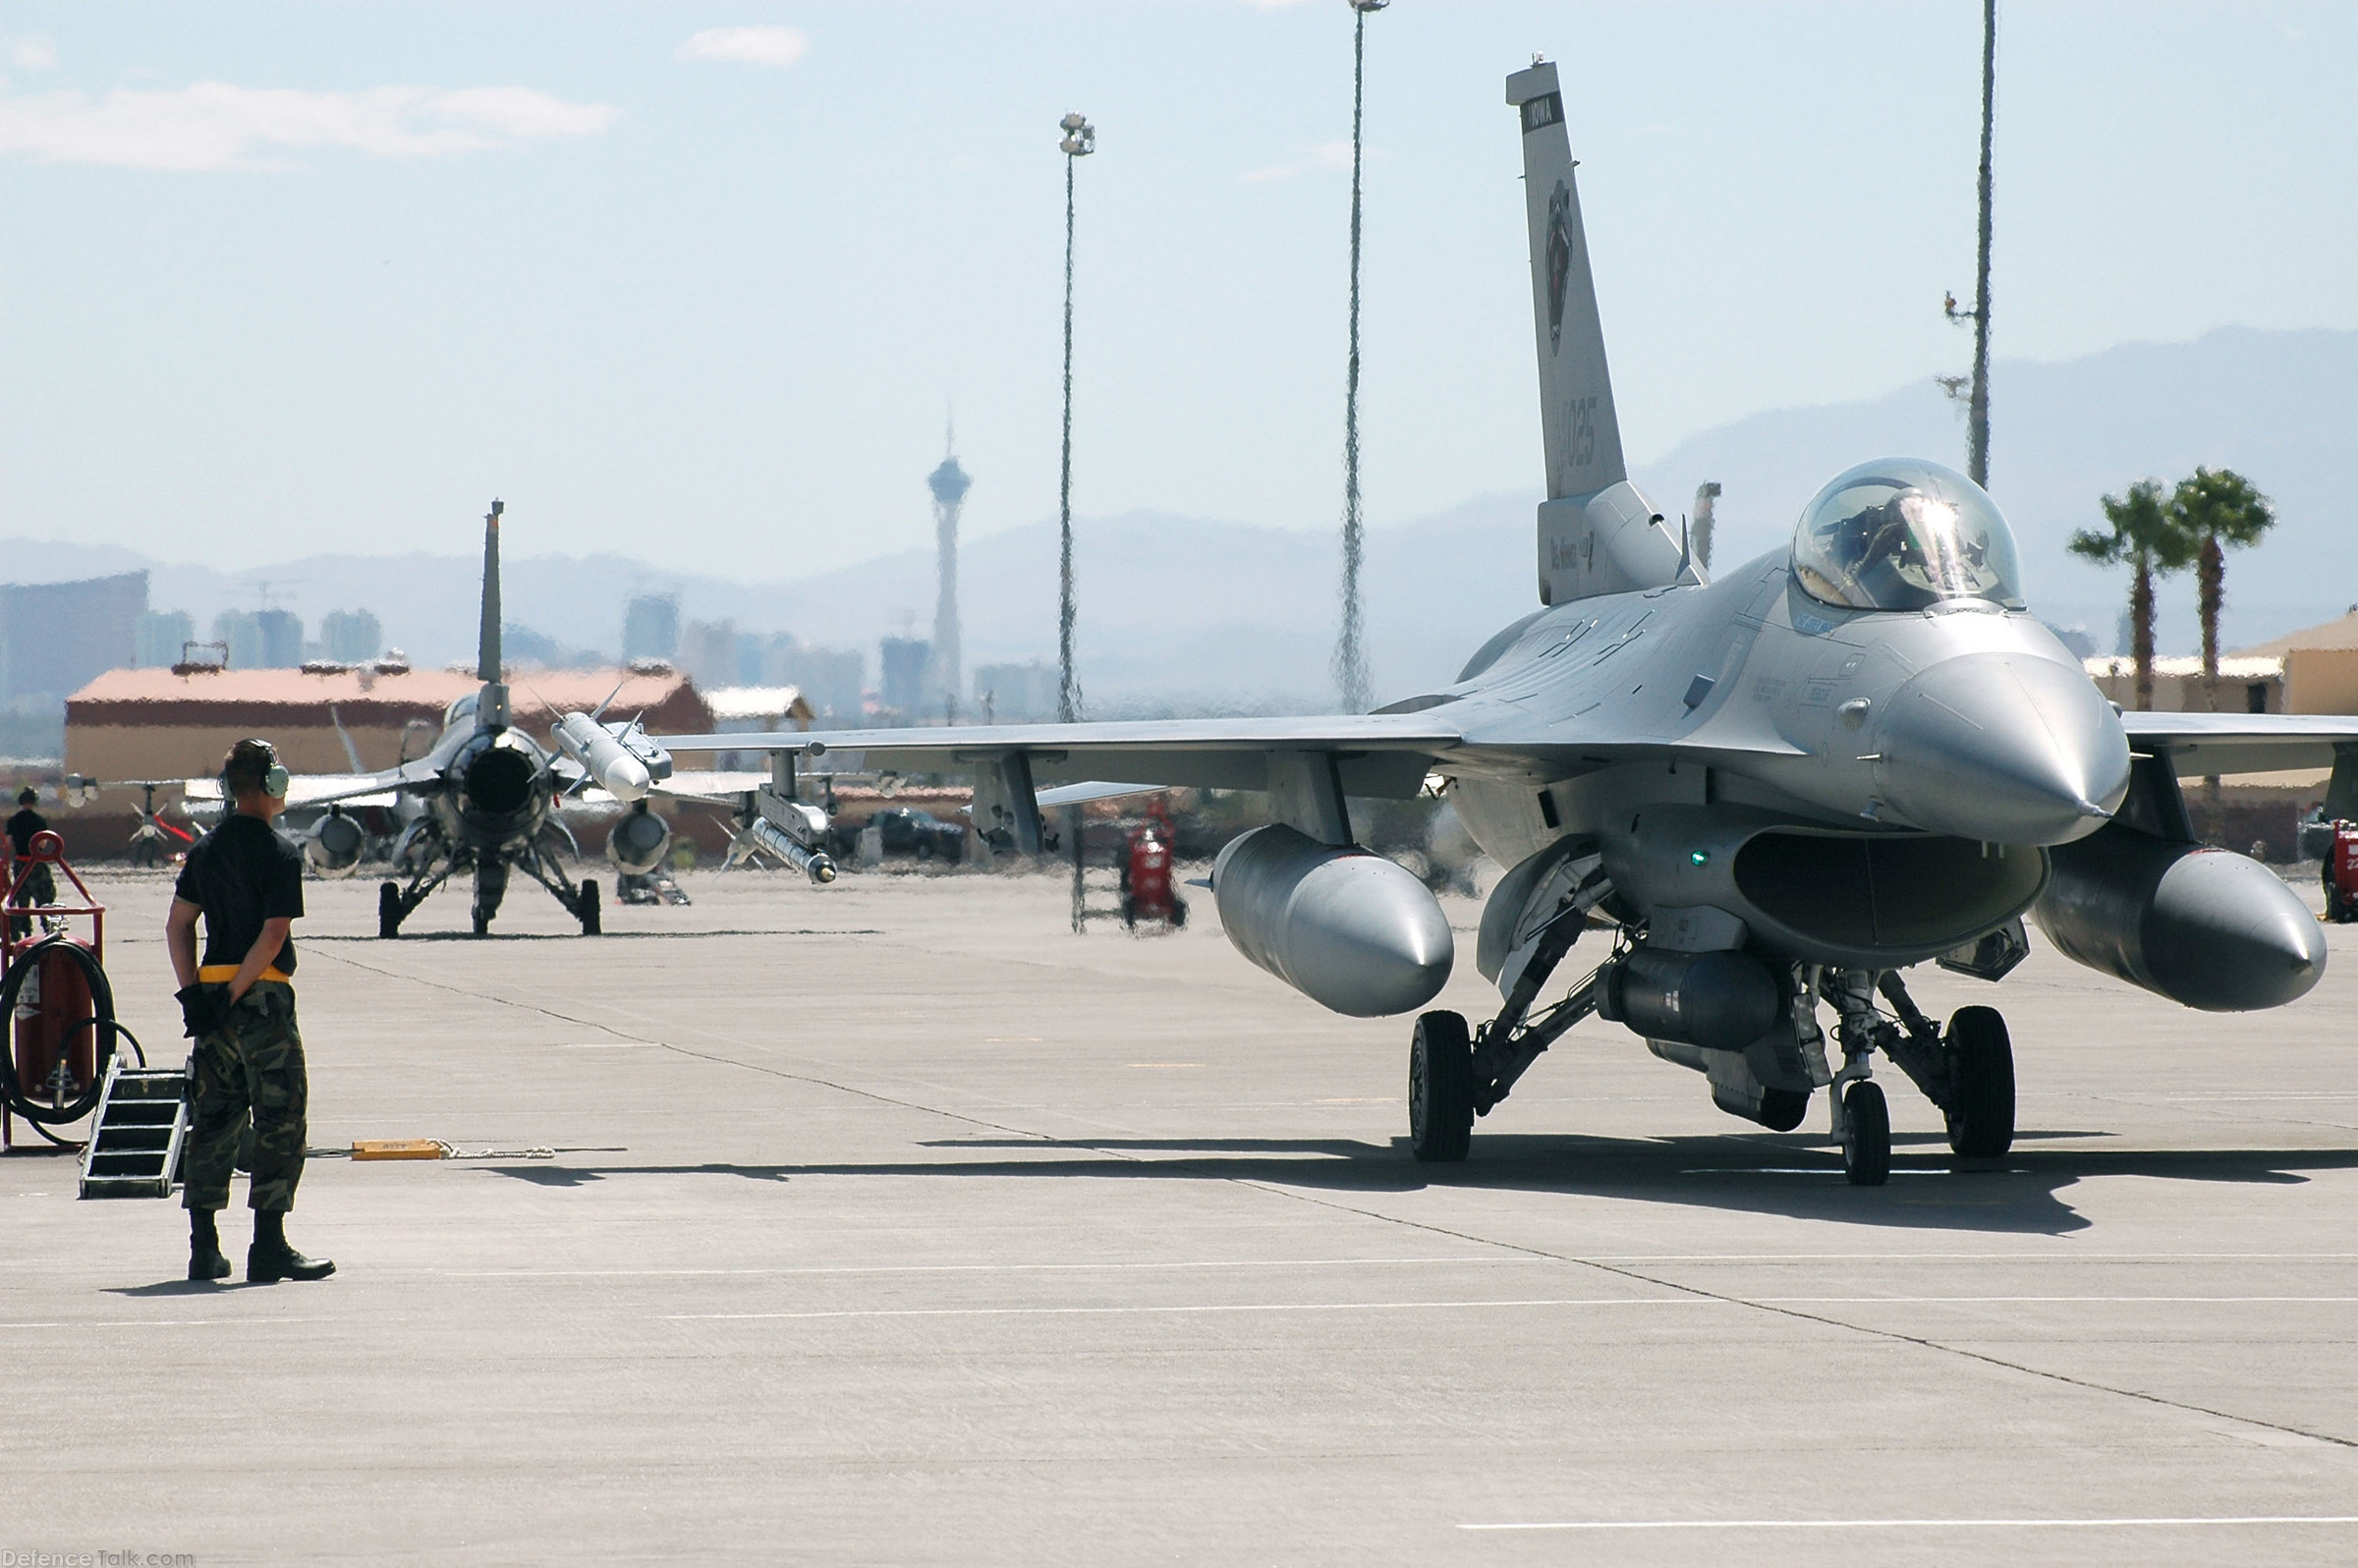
{"x": 1977, "y": 408}
{"x": 1350, "y": 651}
{"x": 1080, "y": 140}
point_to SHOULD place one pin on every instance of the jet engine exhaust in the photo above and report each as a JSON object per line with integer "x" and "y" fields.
{"x": 2205, "y": 927}
{"x": 499, "y": 782}
{"x": 332, "y": 847}
{"x": 1719, "y": 1001}
{"x": 1347, "y": 929}
{"x": 637, "y": 843}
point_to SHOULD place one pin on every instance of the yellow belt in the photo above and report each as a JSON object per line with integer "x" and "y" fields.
{"x": 223, "y": 973}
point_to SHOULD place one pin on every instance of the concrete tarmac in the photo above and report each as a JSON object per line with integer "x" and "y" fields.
{"x": 893, "y": 1223}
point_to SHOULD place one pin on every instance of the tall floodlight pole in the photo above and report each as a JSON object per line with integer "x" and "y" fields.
{"x": 1977, "y": 408}
{"x": 1080, "y": 140}
{"x": 1350, "y": 649}
{"x": 1977, "y": 438}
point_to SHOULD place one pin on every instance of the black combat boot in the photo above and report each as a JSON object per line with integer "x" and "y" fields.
{"x": 270, "y": 1258}
{"x": 204, "y": 1247}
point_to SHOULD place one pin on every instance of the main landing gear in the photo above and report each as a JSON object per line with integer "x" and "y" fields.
{"x": 1967, "y": 1068}
{"x": 395, "y": 903}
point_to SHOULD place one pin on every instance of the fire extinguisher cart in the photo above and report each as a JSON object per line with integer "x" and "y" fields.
{"x": 60, "y": 1063}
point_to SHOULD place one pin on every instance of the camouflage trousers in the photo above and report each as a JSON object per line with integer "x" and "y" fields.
{"x": 254, "y": 1062}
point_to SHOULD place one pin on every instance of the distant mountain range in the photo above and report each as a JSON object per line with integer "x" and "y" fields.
{"x": 1191, "y": 613}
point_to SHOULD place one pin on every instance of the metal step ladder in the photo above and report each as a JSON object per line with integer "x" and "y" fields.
{"x": 137, "y": 1132}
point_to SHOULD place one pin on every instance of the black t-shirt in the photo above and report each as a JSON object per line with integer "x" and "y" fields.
{"x": 22, "y": 827}
{"x": 242, "y": 873}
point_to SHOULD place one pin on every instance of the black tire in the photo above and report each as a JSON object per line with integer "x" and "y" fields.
{"x": 1781, "y": 1109}
{"x": 925, "y": 848}
{"x": 1178, "y": 911}
{"x": 1129, "y": 912}
{"x": 1440, "y": 1089}
{"x": 591, "y": 923}
{"x": 1867, "y": 1154}
{"x": 483, "y": 922}
{"x": 389, "y": 909}
{"x": 1981, "y": 1056}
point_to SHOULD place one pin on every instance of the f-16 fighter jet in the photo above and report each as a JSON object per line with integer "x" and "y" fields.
{"x": 489, "y": 794}
{"x": 1765, "y": 796}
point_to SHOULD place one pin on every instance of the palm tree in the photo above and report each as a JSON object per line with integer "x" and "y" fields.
{"x": 2219, "y": 511}
{"x": 2149, "y": 535}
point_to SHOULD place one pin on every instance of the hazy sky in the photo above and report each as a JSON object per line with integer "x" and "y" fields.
{"x": 698, "y": 281}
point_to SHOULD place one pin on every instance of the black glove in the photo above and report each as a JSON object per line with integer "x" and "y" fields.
{"x": 202, "y": 1008}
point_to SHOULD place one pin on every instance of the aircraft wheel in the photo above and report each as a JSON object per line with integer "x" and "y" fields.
{"x": 1867, "y": 1155}
{"x": 1178, "y": 913}
{"x": 590, "y": 925}
{"x": 1440, "y": 1089}
{"x": 482, "y": 921}
{"x": 389, "y": 909}
{"x": 1981, "y": 1126}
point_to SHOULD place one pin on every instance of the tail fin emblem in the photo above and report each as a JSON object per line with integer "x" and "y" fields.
{"x": 1560, "y": 261}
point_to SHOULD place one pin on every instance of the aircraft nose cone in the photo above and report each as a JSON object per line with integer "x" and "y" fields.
{"x": 2007, "y": 748}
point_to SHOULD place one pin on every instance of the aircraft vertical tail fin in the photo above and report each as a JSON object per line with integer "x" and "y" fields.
{"x": 491, "y": 707}
{"x": 1596, "y": 534}
{"x": 486, "y": 655}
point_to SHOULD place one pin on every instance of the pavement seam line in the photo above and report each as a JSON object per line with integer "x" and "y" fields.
{"x": 1889, "y": 1336}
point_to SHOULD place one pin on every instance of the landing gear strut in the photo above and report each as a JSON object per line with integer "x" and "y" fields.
{"x": 1862, "y": 1119}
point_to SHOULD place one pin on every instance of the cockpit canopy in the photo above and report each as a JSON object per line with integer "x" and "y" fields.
{"x": 462, "y": 708}
{"x": 1900, "y": 534}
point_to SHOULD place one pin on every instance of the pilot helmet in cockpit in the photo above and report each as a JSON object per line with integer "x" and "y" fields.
{"x": 1903, "y": 534}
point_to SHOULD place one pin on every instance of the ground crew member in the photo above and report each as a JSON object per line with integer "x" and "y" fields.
{"x": 40, "y": 886}
{"x": 239, "y": 1006}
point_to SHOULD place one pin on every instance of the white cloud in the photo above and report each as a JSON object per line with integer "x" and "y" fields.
{"x": 34, "y": 54}
{"x": 214, "y": 124}
{"x": 762, "y": 46}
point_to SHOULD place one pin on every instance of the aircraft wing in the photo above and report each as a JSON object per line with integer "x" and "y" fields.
{"x": 322, "y": 789}
{"x": 2203, "y": 744}
{"x": 711, "y": 784}
{"x": 1373, "y": 753}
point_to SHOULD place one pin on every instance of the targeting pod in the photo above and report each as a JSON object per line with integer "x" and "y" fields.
{"x": 333, "y": 848}
{"x": 635, "y": 844}
{"x": 1719, "y": 1001}
{"x": 621, "y": 758}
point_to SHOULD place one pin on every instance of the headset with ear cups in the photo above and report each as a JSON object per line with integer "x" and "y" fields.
{"x": 274, "y": 778}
